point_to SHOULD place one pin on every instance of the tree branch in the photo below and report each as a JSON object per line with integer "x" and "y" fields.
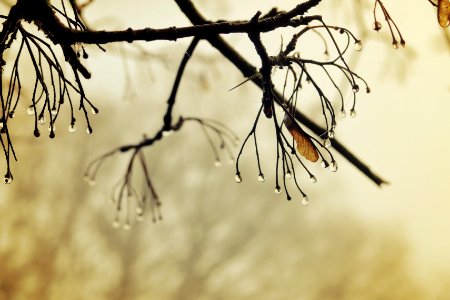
{"x": 249, "y": 70}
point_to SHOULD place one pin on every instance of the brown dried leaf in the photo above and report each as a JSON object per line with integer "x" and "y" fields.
{"x": 304, "y": 143}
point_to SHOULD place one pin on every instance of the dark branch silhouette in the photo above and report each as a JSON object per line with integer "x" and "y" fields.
{"x": 65, "y": 31}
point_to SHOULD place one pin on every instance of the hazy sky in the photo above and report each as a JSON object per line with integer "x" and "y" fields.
{"x": 401, "y": 130}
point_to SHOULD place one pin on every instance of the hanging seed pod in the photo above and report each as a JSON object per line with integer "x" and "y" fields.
{"x": 304, "y": 143}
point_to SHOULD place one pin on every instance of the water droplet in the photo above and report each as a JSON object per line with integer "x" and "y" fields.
{"x": 140, "y": 217}
{"x": 288, "y": 175}
{"x": 54, "y": 112}
{"x": 30, "y": 111}
{"x": 72, "y": 128}
{"x": 91, "y": 181}
{"x": 261, "y": 178}
{"x": 8, "y": 178}
{"x": 403, "y": 43}
{"x": 313, "y": 179}
{"x": 139, "y": 210}
{"x": 352, "y": 113}
{"x": 358, "y": 45}
{"x": 1, "y": 125}
{"x": 94, "y": 111}
{"x": 331, "y": 134}
{"x": 327, "y": 143}
{"x": 343, "y": 114}
{"x": 89, "y": 130}
{"x": 116, "y": 223}
{"x": 51, "y": 127}
{"x": 12, "y": 114}
{"x": 368, "y": 90}
{"x": 355, "y": 88}
{"x": 167, "y": 132}
{"x": 376, "y": 26}
{"x": 277, "y": 190}
{"x": 395, "y": 45}
{"x": 41, "y": 120}
{"x": 326, "y": 55}
{"x": 305, "y": 200}
{"x": 127, "y": 225}
{"x": 238, "y": 178}
{"x": 324, "y": 164}
{"x": 334, "y": 166}
{"x": 217, "y": 163}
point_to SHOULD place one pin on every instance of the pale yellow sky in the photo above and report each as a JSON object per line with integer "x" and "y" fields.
{"x": 402, "y": 129}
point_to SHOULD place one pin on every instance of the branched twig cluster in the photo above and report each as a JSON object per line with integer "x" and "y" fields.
{"x": 52, "y": 87}
{"x": 299, "y": 69}
{"x": 393, "y": 28}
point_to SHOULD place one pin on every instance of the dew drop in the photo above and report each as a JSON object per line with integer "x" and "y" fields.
{"x": 395, "y": 45}
{"x": 238, "y": 178}
{"x": 91, "y": 181}
{"x": 54, "y": 112}
{"x": 1, "y": 124}
{"x": 326, "y": 55}
{"x": 36, "y": 132}
{"x": 355, "y": 88}
{"x": 30, "y": 111}
{"x": 327, "y": 143}
{"x": 403, "y": 43}
{"x": 140, "y": 217}
{"x": 368, "y": 90}
{"x": 167, "y": 132}
{"x": 358, "y": 45}
{"x": 94, "y": 111}
{"x": 277, "y": 190}
{"x": 331, "y": 134}
{"x": 116, "y": 223}
{"x": 8, "y": 178}
{"x": 288, "y": 175}
{"x": 376, "y": 26}
{"x": 72, "y": 128}
{"x": 343, "y": 114}
{"x": 127, "y": 225}
{"x": 51, "y": 128}
{"x": 89, "y": 130}
{"x": 324, "y": 164}
{"x": 139, "y": 210}
{"x": 217, "y": 163}
{"x": 352, "y": 113}
{"x": 313, "y": 179}
{"x": 261, "y": 178}
{"x": 86, "y": 177}
{"x": 305, "y": 200}
{"x": 41, "y": 120}
{"x": 334, "y": 166}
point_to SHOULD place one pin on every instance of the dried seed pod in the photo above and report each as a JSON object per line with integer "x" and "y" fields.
{"x": 444, "y": 12}
{"x": 304, "y": 143}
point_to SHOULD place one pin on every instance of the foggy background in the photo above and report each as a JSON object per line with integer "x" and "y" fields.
{"x": 219, "y": 239}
